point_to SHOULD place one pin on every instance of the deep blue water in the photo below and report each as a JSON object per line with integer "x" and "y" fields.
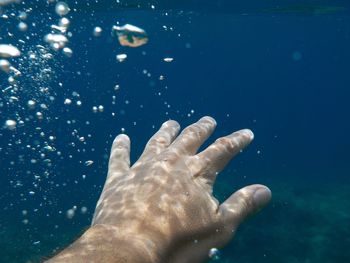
{"x": 285, "y": 74}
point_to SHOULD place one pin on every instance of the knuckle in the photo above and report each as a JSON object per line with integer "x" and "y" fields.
{"x": 194, "y": 131}
{"x": 160, "y": 140}
{"x": 169, "y": 156}
{"x": 229, "y": 144}
{"x": 192, "y": 128}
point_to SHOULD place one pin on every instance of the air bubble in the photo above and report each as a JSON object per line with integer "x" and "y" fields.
{"x": 7, "y": 2}
{"x": 49, "y": 148}
{"x": 68, "y": 52}
{"x": 97, "y": 31}
{"x": 22, "y": 15}
{"x": 214, "y": 254}
{"x": 56, "y": 40}
{"x": 10, "y": 124}
{"x": 64, "y": 22}
{"x": 5, "y": 65}
{"x": 8, "y": 51}
{"x": 89, "y": 162}
{"x": 70, "y": 213}
{"x": 62, "y": 8}
{"x": 121, "y": 57}
{"x": 22, "y": 26}
{"x": 39, "y": 115}
{"x": 168, "y": 59}
{"x": 67, "y": 101}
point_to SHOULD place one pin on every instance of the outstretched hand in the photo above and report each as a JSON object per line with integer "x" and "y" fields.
{"x": 164, "y": 202}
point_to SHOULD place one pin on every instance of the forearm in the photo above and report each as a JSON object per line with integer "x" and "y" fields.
{"x": 101, "y": 244}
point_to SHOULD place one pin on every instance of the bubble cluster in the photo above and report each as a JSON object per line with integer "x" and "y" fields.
{"x": 37, "y": 70}
{"x": 57, "y": 41}
{"x": 51, "y": 108}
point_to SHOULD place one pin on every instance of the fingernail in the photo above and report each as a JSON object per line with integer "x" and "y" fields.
{"x": 249, "y": 133}
{"x": 121, "y": 139}
{"x": 208, "y": 118}
{"x": 261, "y": 197}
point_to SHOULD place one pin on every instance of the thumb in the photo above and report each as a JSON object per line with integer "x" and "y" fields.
{"x": 245, "y": 202}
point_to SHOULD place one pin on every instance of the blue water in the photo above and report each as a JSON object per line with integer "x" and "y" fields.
{"x": 284, "y": 73}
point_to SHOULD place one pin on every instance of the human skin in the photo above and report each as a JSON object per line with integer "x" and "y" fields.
{"x": 161, "y": 209}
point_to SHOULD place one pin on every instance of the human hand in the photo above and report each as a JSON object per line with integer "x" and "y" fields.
{"x": 164, "y": 202}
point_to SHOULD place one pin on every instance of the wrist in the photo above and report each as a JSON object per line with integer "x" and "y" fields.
{"x": 103, "y": 243}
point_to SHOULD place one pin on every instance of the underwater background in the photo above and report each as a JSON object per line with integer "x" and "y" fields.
{"x": 280, "y": 68}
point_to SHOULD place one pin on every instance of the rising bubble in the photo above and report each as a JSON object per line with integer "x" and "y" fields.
{"x": 62, "y": 8}
{"x": 214, "y": 254}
